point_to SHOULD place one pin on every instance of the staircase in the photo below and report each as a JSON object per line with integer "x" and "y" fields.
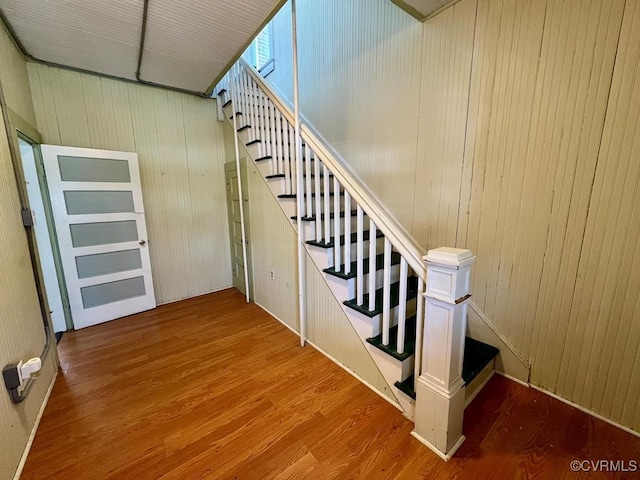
{"x": 372, "y": 265}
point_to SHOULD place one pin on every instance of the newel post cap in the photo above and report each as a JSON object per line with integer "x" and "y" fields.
{"x": 450, "y": 256}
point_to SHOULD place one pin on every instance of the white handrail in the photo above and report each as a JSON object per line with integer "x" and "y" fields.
{"x": 386, "y": 222}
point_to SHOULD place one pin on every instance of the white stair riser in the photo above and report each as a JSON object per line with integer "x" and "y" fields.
{"x": 374, "y": 324}
{"x": 349, "y": 286}
{"x": 385, "y": 361}
{"x": 326, "y": 260}
{"x": 310, "y": 228}
{"x": 280, "y": 183}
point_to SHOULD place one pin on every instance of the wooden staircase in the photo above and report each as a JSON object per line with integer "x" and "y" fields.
{"x": 373, "y": 275}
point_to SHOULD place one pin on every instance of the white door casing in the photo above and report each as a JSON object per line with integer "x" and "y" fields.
{"x": 98, "y": 211}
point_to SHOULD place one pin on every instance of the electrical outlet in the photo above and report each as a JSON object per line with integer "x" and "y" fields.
{"x": 272, "y": 275}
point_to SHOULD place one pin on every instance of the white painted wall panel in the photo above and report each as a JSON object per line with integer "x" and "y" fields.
{"x": 507, "y": 127}
{"x": 21, "y": 332}
{"x": 180, "y": 146}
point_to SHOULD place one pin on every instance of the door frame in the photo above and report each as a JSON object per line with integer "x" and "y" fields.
{"x": 229, "y": 167}
{"x": 15, "y": 125}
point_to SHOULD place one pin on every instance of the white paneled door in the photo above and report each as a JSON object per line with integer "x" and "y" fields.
{"x": 99, "y": 217}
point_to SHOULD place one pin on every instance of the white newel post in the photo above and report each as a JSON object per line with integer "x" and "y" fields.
{"x": 440, "y": 388}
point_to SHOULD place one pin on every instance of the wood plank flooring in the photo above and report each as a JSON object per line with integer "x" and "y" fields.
{"x": 211, "y": 387}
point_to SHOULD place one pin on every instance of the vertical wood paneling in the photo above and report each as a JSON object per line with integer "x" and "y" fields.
{"x": 605, "y": 314}
{"x": 444, "y": 93}
{"x": 21, "y": 332}
{"x": 181, "y": 152}
{"x": 273, "y": 249}
{"x": 329, "y": 328}
{"x": 350, "y": 60}
{"x": 13, "y": 75}
{"x": 525, "y": 153}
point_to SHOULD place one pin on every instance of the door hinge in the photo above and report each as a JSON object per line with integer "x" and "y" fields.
{"x": 27, "y": 218}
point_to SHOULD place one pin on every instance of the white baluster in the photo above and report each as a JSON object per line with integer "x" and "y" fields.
{"x": 402, "y": 306}
{"x": 386, "y": 292}
{"x": 327, "y": 205}
{"x": 419, "y": 323}
{"x": 307, "y": 171}
{"x": 372, "y": 266}
{"x": 278, "y": 137}
{"x": 347, "y": 232}
{"x": 254, "y": 114}
{"x": 317, "y": 198}
{"x": 272, "y": 138}
{"x": 242, "y": 97}
{"x": 294, "y": 165}
{"x": 263, "y": 121}
{"x": 360, "y": 256}
{"x": 286, "y": 156}
{"x": 336, "y": 225}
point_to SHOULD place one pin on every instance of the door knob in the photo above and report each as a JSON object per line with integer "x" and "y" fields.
{"x": 142, "y": 242}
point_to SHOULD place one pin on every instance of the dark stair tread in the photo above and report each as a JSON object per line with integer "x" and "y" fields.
{"x": 312, "y": 218}
{"x": 266, "y": 157}
{"x": 293, "y": 195}
{"x": 235, "y": 114}
{"x": 282, "y": 175}
{"x": 253, "y": 142}
{"x": 221, "y": 91}
{"x": 227, "y": 103}
{"x": 395, "y": 259}
{"x": 406, "y": 387}
{"x": 244, "y": 127}
{"x": 412, "y": 292}
{"x": 477, "y": 355}
{"x": 409, "y": 340}
{"x": 354, "y": 239}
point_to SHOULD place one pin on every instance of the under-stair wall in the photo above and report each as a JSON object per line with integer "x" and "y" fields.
{"x": 497, "y": 126}
{"x": 273, "y": 246}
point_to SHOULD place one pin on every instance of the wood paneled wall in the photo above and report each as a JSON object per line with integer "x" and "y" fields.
{"x": 21, "y": 332}
{"x": 273, "y": 249}
{"x": 181, "y": 150}
{"x": 507, "y": 127}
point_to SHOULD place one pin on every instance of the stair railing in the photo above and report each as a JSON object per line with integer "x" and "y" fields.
{"x": 269, "y": 120}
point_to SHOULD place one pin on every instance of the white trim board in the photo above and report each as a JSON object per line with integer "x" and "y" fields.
{"x": 334, "y": 360}
{"x": 32, "y": 436}
{"x": 196, "y": 295}
{"x": 574, "y": 405}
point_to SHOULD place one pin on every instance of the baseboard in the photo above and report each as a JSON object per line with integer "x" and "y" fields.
{"x": 36, "y": 424}
{"x": 334, "y": 360}
{"x": 195, "y": 296}
{"x": 513, "y": 379}
{"x": 574, "y": 405}
{"x": 446, "y": 457}
{"x": 586, "y": 410}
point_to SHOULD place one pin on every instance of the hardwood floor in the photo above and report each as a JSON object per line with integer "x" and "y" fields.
{"x": 213, "y": 388}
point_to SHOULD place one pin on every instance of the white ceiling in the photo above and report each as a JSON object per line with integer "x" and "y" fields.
{"x": 187, "y": 42}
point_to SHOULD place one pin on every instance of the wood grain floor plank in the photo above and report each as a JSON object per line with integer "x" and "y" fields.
{"x": 213, "y": 388}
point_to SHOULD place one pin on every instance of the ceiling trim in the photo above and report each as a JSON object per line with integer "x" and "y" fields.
{"x": 272, "y": 13}
{"x": 16, "y": 41}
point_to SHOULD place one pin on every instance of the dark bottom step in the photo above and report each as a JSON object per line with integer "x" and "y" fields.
{"x": 477, "y": 355}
